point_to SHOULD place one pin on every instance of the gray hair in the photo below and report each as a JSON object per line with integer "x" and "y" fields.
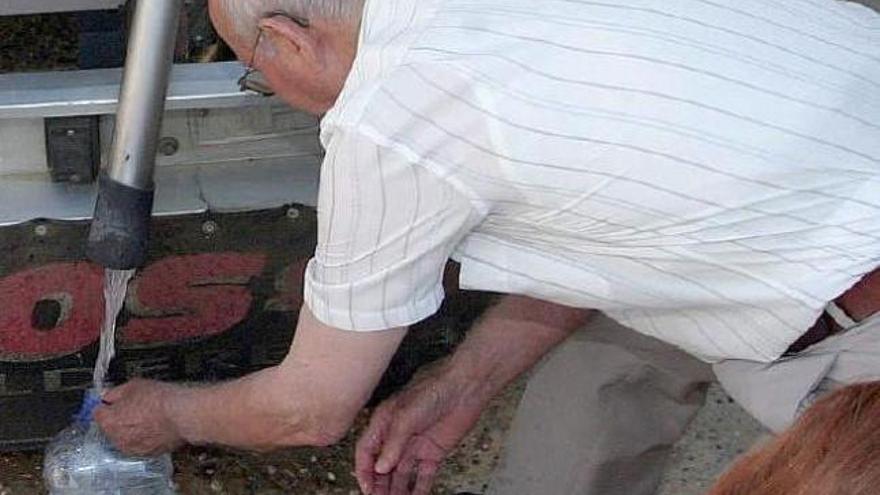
{"x": 246, "y": 14}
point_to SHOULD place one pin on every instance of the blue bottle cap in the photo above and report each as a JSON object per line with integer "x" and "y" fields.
{"x": 86, "y": 412}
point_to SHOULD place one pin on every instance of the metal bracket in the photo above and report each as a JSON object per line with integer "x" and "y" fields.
{"x": 73, "y": 148}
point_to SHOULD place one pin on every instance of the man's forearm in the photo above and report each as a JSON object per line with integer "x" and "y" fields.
{"x": 309, "y": 399}
{"x": 511, "y": 338}
{"x": 256, "y": 412}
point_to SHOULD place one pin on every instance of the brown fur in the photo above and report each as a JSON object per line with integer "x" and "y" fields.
{"x": 834, "y": 449}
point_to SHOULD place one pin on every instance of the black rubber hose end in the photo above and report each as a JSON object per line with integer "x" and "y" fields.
{"x": 120, "y": 231}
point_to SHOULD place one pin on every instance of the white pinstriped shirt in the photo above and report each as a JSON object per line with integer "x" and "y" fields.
{"x": 704, "y": 171}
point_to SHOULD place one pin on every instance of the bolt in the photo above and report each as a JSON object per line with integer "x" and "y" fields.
{"x": 209, "y": 227}
{"x": 71, "y": 132}
{"x": 169, "y": 146}
{"x": 293, "y": 213}
{"x": 41, "y": 230}
{"x": 75, "y": 178}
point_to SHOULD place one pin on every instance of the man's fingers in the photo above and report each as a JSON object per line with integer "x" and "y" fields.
{"x": 365, "y": 455}
{"x": 366, "y": 480}
{"x": 402, "y": 429}
{"x": 118, "y": 393}
{"x": 402, "y": 477}
{"x": 114, "y": 394}
{"x": 370, "y": 444}
{"x": 364, "y": 461}
{"x": 382, "y": 486}
{"x": 102, "y": 416}
{"x": 425, "y": 474}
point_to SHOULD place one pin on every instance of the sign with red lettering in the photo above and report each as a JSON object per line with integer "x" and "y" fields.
{"x": 210, "y": 305}
{"x": 174, "y": 299}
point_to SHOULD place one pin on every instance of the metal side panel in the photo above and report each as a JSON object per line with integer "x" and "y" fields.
{"x": 22, "y": 7}
{"x": 189, "y": 137}
{"x": 227, "y": 187}
{"x": 218, "y": 135}
{"x": 96, "y": 92}
{"x": 222, "y": 159}
{"x": 234, "y": 187}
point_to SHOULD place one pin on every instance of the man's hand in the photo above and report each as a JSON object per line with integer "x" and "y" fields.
{"x": 412, "y": 433}
{"x": 135, "y": 418}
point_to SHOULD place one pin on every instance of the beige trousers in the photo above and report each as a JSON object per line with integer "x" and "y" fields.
{"x": 601, "y": 414}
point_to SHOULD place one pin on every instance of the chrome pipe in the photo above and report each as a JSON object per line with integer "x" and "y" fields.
{"x": 144, "y": 88}
{"x": 120, "y": 229}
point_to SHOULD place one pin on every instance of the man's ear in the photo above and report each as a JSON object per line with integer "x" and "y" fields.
{"x": 285, "y": 31}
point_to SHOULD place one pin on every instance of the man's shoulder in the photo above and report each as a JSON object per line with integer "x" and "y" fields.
{"x": 405, "y": 99}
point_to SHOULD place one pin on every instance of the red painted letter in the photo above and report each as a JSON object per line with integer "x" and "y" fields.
{"x": 193, "y": 296}
{"x": 75, "y": 288}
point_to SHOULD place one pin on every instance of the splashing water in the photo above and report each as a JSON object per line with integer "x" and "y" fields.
{"x": 115, "y": 288}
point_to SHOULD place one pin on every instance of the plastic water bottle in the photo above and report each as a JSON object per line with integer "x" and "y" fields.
{"x": 81, "y": 461}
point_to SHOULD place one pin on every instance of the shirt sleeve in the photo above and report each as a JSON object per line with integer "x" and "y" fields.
{"x": 386, "y": 228}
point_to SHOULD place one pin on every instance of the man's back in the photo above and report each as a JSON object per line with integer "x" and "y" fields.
{"x": 707, "y": 172}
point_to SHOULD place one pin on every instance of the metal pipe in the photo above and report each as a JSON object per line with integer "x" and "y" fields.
{"x": 120, "y": 228}
{"x": 144, "y": 88}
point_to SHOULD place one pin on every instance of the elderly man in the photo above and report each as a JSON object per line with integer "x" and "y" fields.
{"x": 706, "y": 173}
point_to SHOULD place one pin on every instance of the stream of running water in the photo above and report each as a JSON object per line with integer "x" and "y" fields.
{"x": 115, "y": 288}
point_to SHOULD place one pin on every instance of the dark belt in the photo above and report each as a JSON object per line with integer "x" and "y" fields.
{"x": 866, "y": 292}
{"x": 824, "y": 327}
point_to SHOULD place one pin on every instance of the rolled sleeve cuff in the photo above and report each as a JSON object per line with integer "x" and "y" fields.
{"x": 347, "y": 308}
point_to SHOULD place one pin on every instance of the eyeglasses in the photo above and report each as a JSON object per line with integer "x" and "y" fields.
{"x": 250, "y": 80}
